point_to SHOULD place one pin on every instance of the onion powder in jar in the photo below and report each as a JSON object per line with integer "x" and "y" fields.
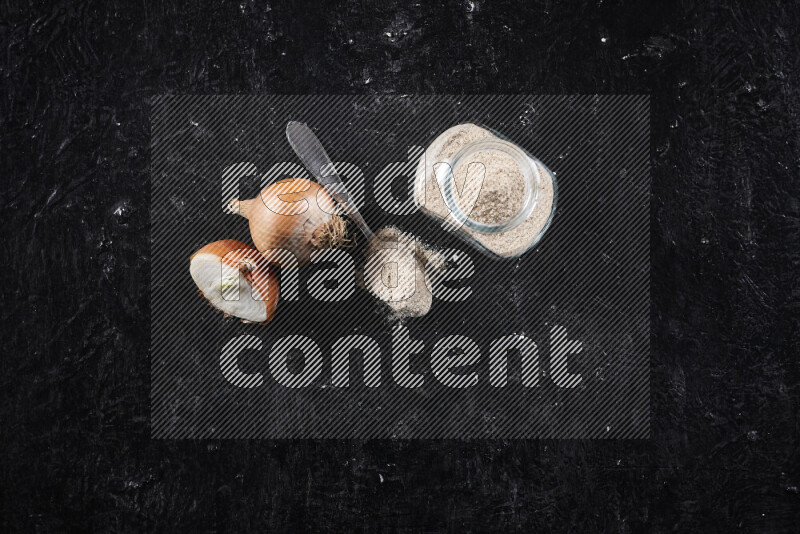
{"x": 492, "y": 193}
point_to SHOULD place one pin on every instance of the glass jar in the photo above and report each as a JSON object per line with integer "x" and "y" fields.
{"x": 510, "y": 219}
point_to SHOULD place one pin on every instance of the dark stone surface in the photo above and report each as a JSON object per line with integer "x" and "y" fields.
{"x": 76, "y": 451}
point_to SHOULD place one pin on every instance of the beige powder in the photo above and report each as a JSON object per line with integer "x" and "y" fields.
{"x": 499, "y": 198}
{"x": 492, "y": 185}
{"x": 395, "y": 272}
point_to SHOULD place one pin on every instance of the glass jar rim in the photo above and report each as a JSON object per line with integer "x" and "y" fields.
{"x": 446, "y": 181}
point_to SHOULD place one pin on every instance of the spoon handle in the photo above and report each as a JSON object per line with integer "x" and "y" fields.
{"x": 316, "y": 160}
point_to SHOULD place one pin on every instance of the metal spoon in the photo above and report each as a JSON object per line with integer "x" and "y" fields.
{"x": 316, "y": 160}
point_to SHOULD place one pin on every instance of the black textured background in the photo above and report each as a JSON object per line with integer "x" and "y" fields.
{"x": 76, "y": 452}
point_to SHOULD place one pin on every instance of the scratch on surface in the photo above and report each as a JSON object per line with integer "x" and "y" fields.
{"x": 762, "y": 296}
{"x": 68, "y": 323}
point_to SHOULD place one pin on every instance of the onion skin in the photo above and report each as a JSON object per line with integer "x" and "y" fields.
{"x": 290, "y": 215}
{"x": 261, "y": 276}
{"x": 223, "y": 248}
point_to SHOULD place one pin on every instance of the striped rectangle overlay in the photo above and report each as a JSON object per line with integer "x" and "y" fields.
{"x": 556, "y": 342}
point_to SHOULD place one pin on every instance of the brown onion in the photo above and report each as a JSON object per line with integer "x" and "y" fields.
{"x": 235, "y": 279}
{"x": 296, "y": 215}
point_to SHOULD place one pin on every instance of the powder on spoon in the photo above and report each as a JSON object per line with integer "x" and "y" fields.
{"x": 395, "y": 272}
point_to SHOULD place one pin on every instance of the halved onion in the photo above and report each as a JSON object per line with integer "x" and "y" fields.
{"x": 236, "y": 279}
{"x": 295, "y": 214}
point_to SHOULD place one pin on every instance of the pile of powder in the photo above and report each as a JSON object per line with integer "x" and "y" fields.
{"x": 395, "y": 272}
{"x": 499, "y": 197}
{"x": 490, "y": 187}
